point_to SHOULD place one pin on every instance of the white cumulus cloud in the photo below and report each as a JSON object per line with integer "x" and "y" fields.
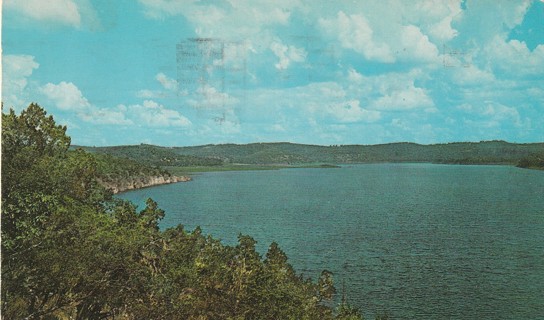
{"x": 287, "y": 54}
{"x": 16, "y": 69}
{"x": 417, "y": 45}
{"x": 242, "y": 18}
{"x": 58, "y": 11}
{"x": 166, "y": 82}
{"x": 471, "y": 75}
{"x": 404, "y": 99}
{"x": 66, "y": 96}
{"x": 115, "y": 116}
{"x": 152, "y": 114}
{"x": 355, "y": 32}
{"x": 390, "y": 91}
{"x": 208, "y": 97}
{"x": 350, "y": 111}
{"x": 515, "y": 57}
{"x": 492, "y": 113}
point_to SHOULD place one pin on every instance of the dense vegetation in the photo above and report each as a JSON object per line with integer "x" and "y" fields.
{"x": 155, "y": 156}
{"x": 70, "y": 251}
{"x": 535, "y": 161}
{"x": 121, "y": 174}
{"x": 487, "y": 152}
{"x": 112, "y": 167}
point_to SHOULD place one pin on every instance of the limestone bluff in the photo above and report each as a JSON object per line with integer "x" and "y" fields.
{"x": 138, "y": 182}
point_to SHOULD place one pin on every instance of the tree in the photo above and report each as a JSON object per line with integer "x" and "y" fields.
{"x": 50, "y": 201}
{"x": 70, "y": 251}
{"x": 347, "y": 312}
{"x": 326, "y": 285}
{"x": 31, "y": 145}
{"x": 151, "y": 215}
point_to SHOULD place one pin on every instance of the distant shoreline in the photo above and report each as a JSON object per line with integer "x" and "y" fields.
{"x": 184, "y": 161}
{"x": 281, "y": 154}
{"x": 189, "y": 171}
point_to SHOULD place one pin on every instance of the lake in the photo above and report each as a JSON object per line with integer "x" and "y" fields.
{"x": 419, "y": 241}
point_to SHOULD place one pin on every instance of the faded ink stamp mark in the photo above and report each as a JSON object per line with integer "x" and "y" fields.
{"x": 211, "y": 67}
{"x": 453, "y": 58}
{"x": 318, "y": 57}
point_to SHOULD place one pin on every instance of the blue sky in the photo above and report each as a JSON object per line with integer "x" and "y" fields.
{"x": 191, "y": 72}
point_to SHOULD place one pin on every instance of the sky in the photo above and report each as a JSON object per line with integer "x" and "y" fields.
{"x": 193, "y": 72}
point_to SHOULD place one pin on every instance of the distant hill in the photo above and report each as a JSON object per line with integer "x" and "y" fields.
{"x": 485, "y": 152}
{"x": 154, "y": 155}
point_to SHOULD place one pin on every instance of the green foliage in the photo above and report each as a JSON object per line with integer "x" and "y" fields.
{"x": 120, "y": 174}
{"x": 69, "y": 251}
{"x": 110, "y": 167}
{"x": 383, "y": 316}
{"x": 155, "y": 156}
{"x": 37, "y": 173}
{"x": 326, "y": 285}
{"x": 347, "y": 312}
{"x": 535, "y": 161}
{"x": 485, "y": 152}
{"x": 29, "y": 141}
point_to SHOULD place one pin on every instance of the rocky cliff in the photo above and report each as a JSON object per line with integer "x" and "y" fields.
{"x": 138, "y": 182}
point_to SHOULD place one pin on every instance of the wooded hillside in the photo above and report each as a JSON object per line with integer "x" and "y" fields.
{"x": 485, "y": 152}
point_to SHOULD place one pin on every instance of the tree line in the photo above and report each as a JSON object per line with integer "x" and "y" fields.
{"x": 535, "y": 161}
{"x": 483, "y": 152}
{"x": 72, "y": 251}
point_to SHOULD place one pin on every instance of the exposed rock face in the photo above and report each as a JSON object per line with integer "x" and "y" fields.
{"x": 139, "y": 182}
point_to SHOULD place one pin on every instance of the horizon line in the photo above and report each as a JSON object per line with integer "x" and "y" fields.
{"x": 307, "y": 144}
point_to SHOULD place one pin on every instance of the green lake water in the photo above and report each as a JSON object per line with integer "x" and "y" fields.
{"x": 416, "y": 240}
